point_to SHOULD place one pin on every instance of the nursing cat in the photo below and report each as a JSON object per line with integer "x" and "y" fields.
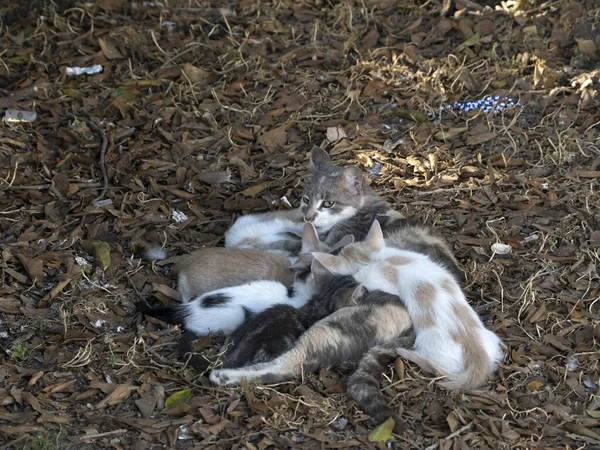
{"x": 338, "y": 202}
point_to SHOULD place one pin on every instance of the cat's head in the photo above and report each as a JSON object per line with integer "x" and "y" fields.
{"x": 312, "y": 243}
{"x": 345, "y": 290}
{"x": 333, "y": 193}
{"x": 355, "y": 256}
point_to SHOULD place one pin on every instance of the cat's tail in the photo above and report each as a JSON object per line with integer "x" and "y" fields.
{"x": 174, "y": 314}
{"x": 363, "y": 385}
{"x": 478, "y": 367}
{"x": 481, "y": 358}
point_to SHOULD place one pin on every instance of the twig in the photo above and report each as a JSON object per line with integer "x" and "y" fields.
{"x": 16, "y": 441}
{"x": 39, "y": 187}
{"x": 450, "y": 436}
{"x": 103, "y": 150}
{"x": 100, "y": 435}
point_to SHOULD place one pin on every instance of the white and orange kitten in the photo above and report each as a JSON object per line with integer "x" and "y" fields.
{"x": 450, "y": 337}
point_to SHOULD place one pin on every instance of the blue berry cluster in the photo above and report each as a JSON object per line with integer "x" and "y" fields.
{"x": 489, "y": 104}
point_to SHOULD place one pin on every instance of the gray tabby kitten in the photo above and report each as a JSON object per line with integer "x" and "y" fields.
{"x": 368, "y": 332}
{"x": 338, "y": 202}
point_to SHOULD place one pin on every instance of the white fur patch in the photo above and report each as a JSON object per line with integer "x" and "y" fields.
{"x": 254, "y": 231}
{"x": 155, "y": 253}
{"x": 326, "y": 220}
{"x": 254, "y": 297}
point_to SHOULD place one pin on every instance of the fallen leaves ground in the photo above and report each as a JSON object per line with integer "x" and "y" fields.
{"x": 209, "y": 109}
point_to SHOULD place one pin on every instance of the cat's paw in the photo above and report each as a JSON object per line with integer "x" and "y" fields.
{"x": 224, "y": 377}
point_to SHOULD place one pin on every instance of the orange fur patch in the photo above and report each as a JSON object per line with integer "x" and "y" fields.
{"x": 398, "y": 260}
{"x": 390, "y": 273}
{"x": 426, "y": 296}
{"x": 449, "y": 286}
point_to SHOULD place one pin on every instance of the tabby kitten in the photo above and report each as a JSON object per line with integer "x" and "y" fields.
{"x": 368, "y": 332}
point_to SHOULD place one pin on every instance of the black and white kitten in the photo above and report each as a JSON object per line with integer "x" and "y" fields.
{"x": 268, "y": 334}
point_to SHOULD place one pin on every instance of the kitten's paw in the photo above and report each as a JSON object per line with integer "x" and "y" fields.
{"x": 224, "y": 377}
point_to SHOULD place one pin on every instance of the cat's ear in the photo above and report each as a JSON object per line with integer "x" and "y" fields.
{"x": 352, "y": 178}
{"x": 358, "y": 293}
{"x": 374, "y": 240}
{"x": 302, "y": 263}
{"x": 346, "y": 240}
{"x": 321, "y": 274}
{"x": 310, "y": 238}
{"x": 319, "y": 158}
{"x": 334, "y": 264}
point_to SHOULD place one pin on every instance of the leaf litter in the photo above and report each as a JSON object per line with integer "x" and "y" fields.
{"x": 201, "y": 112}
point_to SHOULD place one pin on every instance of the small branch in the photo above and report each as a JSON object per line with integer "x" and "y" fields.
{"x": 103, "y": 150}
{"x": 87, "y": 437}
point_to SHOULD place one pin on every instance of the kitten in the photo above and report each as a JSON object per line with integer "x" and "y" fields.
{"x": 214, "y": 268}
{"x": 275, "y": 330}
{"x": 338, "y": 201}
{"x": 277, "y": 231}
{"x": 368, "y": 332}
{"x": 450, "y": 337}
{"x": 225, "y": 309}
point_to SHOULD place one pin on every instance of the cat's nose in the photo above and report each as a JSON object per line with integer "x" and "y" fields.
{"x": 309, "y": 219}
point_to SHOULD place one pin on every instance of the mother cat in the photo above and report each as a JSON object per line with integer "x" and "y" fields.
{"x": 339, "y": 202}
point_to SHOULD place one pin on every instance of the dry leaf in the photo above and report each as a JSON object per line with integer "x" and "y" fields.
{"x": 255, "y": 190}
{"x": 383, "y": 432}
{"x": 273, "y": 140}
{"x": 109, "y": 50}
{"x": 452, "y": 132}
{"x": 335, "y": 134}
{"x": 119, "y": 395}
{"x": 194, "y": 74}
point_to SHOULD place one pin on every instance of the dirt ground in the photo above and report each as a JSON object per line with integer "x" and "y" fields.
{"x": 205, "y": 110}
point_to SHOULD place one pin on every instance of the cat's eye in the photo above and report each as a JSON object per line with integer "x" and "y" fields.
{"x": 327, "y": 204}
{"x": 305, "y": 200}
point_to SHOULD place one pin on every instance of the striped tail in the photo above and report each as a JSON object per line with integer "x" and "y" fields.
{"x": 363, "y": 385}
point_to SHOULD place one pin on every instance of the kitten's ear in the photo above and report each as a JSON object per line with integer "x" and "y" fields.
{"x": 304, "y": 260}
{"x": 352, "y": 178}
{"x": 374, "y": 240}
{"x": 358, "y": 293}
{"x": 332, "y": 263}
{"x": 346, "y": 240}
{"x": 310, "y": 238}
{"x": 320, "y": 273}
{"x": 319, "y": 158}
